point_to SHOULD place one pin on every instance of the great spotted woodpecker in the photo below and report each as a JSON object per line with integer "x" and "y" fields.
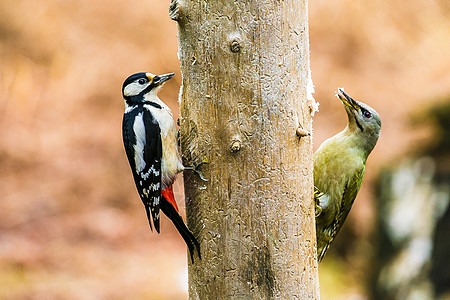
{"x": 339, "y": 166}
{"x": 150, "y": 140}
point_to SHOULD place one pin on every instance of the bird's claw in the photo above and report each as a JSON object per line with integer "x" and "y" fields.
{"x": 196, "y": 170}
{"x": 318, "y": 210}
{"x": 317, "y": 195}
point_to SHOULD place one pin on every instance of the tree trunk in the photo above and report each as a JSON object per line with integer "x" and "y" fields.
{"x": 245, "y": 67}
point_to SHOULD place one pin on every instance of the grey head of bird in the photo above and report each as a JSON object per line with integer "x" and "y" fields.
{"x": 139, "y": 87}
{"x": 363, "y": 121}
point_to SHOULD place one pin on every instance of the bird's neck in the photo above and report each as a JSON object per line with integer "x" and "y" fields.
{"x": 153, "y": 98}
{"x": 363, "y": 140}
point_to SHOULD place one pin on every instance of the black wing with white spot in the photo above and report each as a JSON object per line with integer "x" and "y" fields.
{"x": 142, "y": 141}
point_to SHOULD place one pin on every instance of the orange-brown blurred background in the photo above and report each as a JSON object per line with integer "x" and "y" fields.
{"x": 71, "y": 223}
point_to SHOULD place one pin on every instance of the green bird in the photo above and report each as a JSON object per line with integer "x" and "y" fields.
{"x": 339, "y": 166}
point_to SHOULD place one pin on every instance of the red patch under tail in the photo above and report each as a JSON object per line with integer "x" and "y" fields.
{"x": 168, "y": 194}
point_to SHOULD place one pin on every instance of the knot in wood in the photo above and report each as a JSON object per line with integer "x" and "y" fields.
{"x": 235, "y": 146}
{"x": 302, "y": 132}
{"x": 235, "y": 47}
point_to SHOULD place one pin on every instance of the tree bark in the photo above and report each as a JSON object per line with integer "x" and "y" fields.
{"x": 245, "y": 69}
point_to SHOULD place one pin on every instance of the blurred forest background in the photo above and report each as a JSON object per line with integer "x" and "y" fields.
{"x": 71, "y": 223}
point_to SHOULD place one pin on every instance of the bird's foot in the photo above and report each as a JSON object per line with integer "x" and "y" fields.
{"x": 196, "y": 168}
{"x": 317, "y": 195}
{"x": 318, "y": 210}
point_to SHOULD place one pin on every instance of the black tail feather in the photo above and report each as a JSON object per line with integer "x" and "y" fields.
{"x": 147, "y": 210}
{"x": 149, "y": 217}
{"x": 185, "y": 233}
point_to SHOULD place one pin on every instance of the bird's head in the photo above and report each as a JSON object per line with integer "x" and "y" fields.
{"x": 361, "y": 117}
{"x": 139, "y": 86}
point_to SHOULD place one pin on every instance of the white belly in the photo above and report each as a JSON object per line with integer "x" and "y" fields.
{"x": 171, "y": 163}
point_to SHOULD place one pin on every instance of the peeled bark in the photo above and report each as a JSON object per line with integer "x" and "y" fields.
{"x": 245, "y": 67}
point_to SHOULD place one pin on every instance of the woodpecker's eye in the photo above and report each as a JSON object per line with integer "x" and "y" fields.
{"x": 142, "y": 81}
{"x": 367, "y": 114}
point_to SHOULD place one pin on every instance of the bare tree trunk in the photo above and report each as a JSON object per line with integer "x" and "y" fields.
{"x": 245, "y": 67}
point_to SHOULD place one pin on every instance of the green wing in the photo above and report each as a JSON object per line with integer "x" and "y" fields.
{"x": 350, "y": 192}
{"x": 348, "y": 197}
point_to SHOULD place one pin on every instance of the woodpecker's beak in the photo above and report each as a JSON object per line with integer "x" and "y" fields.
{"x": 160, "y": 79}
{"x": 346, "y": 99}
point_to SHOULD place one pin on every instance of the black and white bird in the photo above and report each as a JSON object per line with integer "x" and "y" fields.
{"x": 150, "y": 140}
